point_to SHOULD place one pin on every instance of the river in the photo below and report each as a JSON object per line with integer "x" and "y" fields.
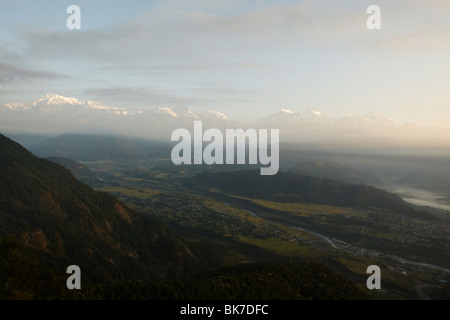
{"x": 328, "y": 240}
{"x": 299, "y": 228}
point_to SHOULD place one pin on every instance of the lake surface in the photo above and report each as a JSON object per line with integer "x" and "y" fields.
{"x": 422, "y": 198}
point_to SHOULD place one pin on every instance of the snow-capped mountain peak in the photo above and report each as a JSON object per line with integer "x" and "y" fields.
{"x": 192, "y": 114}
{"x": 317, "y": 113}
{"x": 375, "y": 117}
{"x": 312, "y": 114}
{"x": 15, "y": 106}
{"x": 280, "y": 118}
{"x": 288, "y": 111}
{"x": 55, "y": 99}
{"x": 367, "y": 120}
{"x": 165, "y": 110}
{"x": 216, "y": 114}
{"x": 94, "y": 105}
{"x": 183, "y": 113}
{"x": 57, "y": 103}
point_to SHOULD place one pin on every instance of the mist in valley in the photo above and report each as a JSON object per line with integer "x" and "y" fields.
{"x": 419, "y": 174}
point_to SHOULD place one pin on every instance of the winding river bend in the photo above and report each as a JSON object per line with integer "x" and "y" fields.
{"x": 329, "y": 241}
{"x": 318, "y": 235}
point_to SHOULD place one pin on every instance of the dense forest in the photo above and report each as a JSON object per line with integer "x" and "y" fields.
{"x": 24, "y": 276}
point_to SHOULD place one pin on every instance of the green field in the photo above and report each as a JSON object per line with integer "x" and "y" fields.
{"x": 280, "y": 246}
{"x": 142, "y": 193}
{"x": 301, "y": 209}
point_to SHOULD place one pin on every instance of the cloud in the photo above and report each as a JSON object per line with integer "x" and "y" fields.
{"x": 170, "y": 33}
{"x": 242, "y": 55}
{"x": 10, "y": 75}
{"x": 15, "y": 70}
{"x": 9, "y": 56}
{"x": 180, "y": 67}
{"x": 140, "y": 97}
{"x": 414, "y": 26}
{"x": 203, "y": 32}
{"x": 419, "y": 41}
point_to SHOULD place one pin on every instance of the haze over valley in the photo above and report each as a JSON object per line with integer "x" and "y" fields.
{"x": 134, "y": 136}
{"x": 370, "y": 143}
{"x": 354, "y": 208}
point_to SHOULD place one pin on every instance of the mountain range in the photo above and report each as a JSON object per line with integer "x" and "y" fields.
{"x": 335, "y": 171}
{"x": 57, "y": 114}
{"x": 290, "y": 187}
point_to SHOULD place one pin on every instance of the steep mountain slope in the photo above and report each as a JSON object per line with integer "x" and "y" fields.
{"x": 78, "y": 170}
{"x": 44, "y": 206}
{"x": 250, "y": 281}
{"x": 294, "y": 188}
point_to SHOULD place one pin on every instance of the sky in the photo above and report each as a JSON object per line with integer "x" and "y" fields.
{"x": 247, "y": 59}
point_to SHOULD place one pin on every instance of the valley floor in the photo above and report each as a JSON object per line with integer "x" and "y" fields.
{"x": 413, "y": 253}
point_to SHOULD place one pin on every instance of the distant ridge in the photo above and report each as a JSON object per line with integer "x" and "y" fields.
{"x": 291, "y": 187}
{"x": 57, "y": 114}
{"x": 334, "y": 171}
{"x": 87, "y": 147}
